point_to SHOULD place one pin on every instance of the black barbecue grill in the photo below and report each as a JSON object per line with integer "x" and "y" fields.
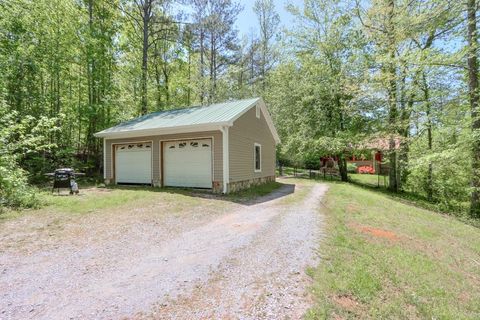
{"x": 65, "y": 179}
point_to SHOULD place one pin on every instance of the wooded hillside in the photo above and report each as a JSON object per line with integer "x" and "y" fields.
{"x": 344, "y": 73}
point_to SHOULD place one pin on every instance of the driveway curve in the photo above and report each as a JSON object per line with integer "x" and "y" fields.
{"x": 246, "y": 263}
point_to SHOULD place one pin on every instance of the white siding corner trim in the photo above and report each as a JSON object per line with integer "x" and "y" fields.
{"x": 104, "y": 158}
{"x": 226, "y": 160}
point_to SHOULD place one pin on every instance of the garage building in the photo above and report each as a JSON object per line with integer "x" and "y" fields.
{"x": 224, "y": 147}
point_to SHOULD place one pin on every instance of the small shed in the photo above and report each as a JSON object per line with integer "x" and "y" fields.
{"x": 377, "y": 147}
{"x": 224, "y": 147}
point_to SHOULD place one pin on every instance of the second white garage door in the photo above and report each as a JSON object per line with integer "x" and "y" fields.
{"x": 188, "y": 163}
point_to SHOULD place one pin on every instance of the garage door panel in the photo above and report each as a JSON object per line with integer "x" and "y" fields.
{"x": 188, "y": 163}
{"x": 133, "y": 163}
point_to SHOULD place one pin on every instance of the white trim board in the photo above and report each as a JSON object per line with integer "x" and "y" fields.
{"x": 225, "y": 158}
{"x": 158, "y": 131}
{"x": 104, "y": 159}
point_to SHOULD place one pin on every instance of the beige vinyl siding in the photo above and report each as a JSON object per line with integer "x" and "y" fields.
{"x": 156, "y": 163}
{"x": 245, "y": 132}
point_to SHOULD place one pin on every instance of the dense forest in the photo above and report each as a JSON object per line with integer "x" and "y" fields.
{"x": 343, "y": 73}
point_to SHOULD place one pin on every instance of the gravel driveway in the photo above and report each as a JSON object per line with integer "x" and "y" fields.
{"x": 248, "y": 262}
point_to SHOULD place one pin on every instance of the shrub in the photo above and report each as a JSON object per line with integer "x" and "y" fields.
{"x": 450, "y": 178}
{"x": 366, "y": 170}
{"x": 18, "y": 140}
{"x": 311, "y": 162}
{"x": 351, "y": 168}
{"x": 14, "y": 188}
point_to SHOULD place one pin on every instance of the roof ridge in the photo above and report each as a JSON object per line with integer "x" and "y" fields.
{"x": 198, "y": 106}
{"x": 176, "y": 109}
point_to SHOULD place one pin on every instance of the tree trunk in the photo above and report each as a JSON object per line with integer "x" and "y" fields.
{"x": 405, "y": 118}
{"x": 146, "y": 18}
{"x": 159, "y": 87}
{"x": 212, "y": 70}
{"x": 189, "y": 50}
{"x": 342, "y": 167}
{"x": 202, "y": 66}
{"x": 403, "y": 130}
{"x": 92, "y": 88}
{"x": 167, "y": 83}
{"x": 405, "y": 115}
{"x": 392, "y": 97}
{"x": 264, "y": 63}
{"x": 426, "y": 95}
{"x": 474, "y": 97}
{"x": 342, "y": 161}
{"x": 79, "y": 108}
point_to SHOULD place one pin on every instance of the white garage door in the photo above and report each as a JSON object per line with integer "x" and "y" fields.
{"x": 133, "y": 163}
{"x": 188, "y": 163}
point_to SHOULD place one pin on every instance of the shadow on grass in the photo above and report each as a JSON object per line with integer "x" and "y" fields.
{"x": 460, "y": 213}
{"x": 402, "y": 196}
{"x": 254, "y": 195}
{"x": 408, "y": 198}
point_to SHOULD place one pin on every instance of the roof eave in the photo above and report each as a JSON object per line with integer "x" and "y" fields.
{"x": 160, "y": 131}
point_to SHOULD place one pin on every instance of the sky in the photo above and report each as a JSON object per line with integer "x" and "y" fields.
{"x": 247, "y": 20}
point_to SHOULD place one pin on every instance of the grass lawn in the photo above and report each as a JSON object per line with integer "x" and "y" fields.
{"x": 254, "y": 192}
{"x": 289, "y": 171}
{"x": 383, "y": 258}
{"x": 371, "y": 180}
{"x": 96, "y": 200}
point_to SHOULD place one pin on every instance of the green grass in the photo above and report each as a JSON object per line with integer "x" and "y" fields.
{"x": 371, "y": 180}
{"x": 254, "y": 192}
{"x": 103, "y": 199}
{"x": 383, "y": 258}
{"x": 95, "y": 200}
{"x": 87, "y": 201}
{"x": 289, "y": 171}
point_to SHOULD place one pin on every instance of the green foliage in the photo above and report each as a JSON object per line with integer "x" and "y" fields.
{"x": 351, "y": 168}
{"x": 312, "y": 93}
{"x": 449, "y": 183}
{"x": 18, "y": 140}
{"x": 14, "y": 188}
{"x": 450, "y": 161}
{"x": 254, "y": 192}
{"x": 311, "y": 161}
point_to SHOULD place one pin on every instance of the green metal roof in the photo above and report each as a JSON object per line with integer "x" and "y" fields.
{"x": 218, "y": 113}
